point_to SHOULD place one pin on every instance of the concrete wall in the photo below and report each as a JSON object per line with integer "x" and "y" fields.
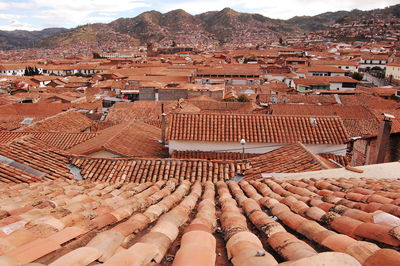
{"x": 249, "y": 147}
{"x": 172, "y": 94}
{"x": 213, "y": 94}
{"x": 147, "y": 94}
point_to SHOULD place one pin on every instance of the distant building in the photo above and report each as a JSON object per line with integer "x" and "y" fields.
{"x": 336, "y": 83}
{"x": 393, "y": 71}
{"x": 262, "y": 133}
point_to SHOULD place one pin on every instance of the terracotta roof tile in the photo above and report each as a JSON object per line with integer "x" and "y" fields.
{"x": 292, "y": 158}
{"x": 126, "y": 139}
{"x": 59, "y": 140}
{"x": 69, "y": 121}
{"x": 166, "y": 221}
{"x": 257, "y": 128}
{"x": 145, "y": 170}
{"x": 211, "y": 155}
{"x": 29, "y": 152}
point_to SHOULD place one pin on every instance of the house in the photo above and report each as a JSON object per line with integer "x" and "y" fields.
{"x": 373, "y": 61}
{"x": 392, "y": 72}
{"x": 261, "y": 133}
{"x": 348, "y": 65}
{"x": 336, "y": 83}
{"x": 15, "y": 69}
{"x": 296, "y": 61}
{"x": 247, "y": 75}
{"x": 326, "y": 71}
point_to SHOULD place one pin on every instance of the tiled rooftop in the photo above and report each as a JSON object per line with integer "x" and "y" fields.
{"x": 59, "y": 140}
{"x": 152, "y": 170}
{"x": 291, "y": 158}
{"x": 211, "y": 155}
{"x": 358, "y": 120}
{"x": 125, "y": 139}
{"x": 69, "y": 121}
{"x": 257, "y": 128}
{"x": 337, "y": 221}
{"x": 30, "y": 155}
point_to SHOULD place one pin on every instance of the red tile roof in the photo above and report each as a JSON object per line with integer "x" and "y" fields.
{"x": 126, "y": 139}
{"x": 293, "y": 158}
{"x": 297, "y": 99}
{"x": 368, "y": 101}
{"x": 60, "y": 140}
{"x": 306, "y": 222}
{"x": 257, "y": 128}
{"x": 358, "y": 120}
{"x": 33, "y": 153}
{"x": 10, "y": 174}
{"x": 69, "y": 121}
{"x": 152, "y": 170}
{"x": 33, "y": 109}
{"x": 211, "y": 155}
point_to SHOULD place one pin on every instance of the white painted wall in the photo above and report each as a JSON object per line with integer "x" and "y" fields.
{"x": 103, "y": 154}
{"x": 249, "y": 147}
{"x": 394, "y": 71}
{"x": 335, "y": 86}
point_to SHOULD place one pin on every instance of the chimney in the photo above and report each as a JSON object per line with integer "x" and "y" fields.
{"x": 383, "y": 138}
{"x": 163, "y": 126}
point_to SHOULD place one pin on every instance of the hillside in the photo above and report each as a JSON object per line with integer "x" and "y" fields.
{"x": 225, "y": 26}
{"x": 24, "y": 39}
{"x": 86, "y": 33}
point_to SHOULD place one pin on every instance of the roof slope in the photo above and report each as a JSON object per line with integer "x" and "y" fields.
{"x": 357, "y": 119}
{"x": 126, "y": 139}
{"x": 69, "y": 121}
{"x": 33, "y": 109}
{"x": 60, "y": 140}
{"x": 319, "y": 221}
{"x": 31, "y": 153}
{"x": 257, "y": 128}
{"x": 293, "y": 158}
{"x": 145, "y": 170}
{"x": 209, "y": 155}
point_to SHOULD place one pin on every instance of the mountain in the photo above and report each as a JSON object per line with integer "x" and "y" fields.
{"x": 225, "y": 26}
{"x": 319, "y": 22}
{"x": 88, "y": 33}
{"x": 24, "y": 39}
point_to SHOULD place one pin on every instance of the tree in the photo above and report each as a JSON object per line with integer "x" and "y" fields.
{"x": 243, "y": 98}
{"x": 30, "y": 71}
{"x": 96, "y": 56}
{"x": 357, "y": 76}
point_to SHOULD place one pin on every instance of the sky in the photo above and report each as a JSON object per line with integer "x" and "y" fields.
{"x": 40, "y": 14}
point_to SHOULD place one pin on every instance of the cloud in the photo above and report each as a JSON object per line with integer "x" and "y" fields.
{"x": 9, "y": 16}
{"x": 79, "y": 11}
{"x": 70, "y": 13}
{"x": 283, "y": 9}
{"x": 17, "y": 25}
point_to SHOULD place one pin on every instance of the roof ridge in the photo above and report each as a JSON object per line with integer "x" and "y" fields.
{"x": 314, "y": 156}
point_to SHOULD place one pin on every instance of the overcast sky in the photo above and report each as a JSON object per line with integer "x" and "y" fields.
{"x": 40, "y": 14}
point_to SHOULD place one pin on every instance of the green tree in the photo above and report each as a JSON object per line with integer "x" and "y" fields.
{"x": 357, "y": 76}
{"x": 243, "y": 98}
